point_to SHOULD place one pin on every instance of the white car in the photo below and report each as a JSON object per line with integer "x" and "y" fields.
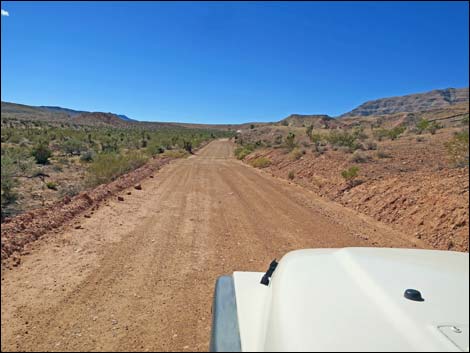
{"x": 352, "y": 299}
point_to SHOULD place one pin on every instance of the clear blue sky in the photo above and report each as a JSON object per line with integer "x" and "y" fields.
{"x": 229, "y": 62}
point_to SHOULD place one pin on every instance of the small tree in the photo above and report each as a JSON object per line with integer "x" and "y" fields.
{"x": 41, "y": 153}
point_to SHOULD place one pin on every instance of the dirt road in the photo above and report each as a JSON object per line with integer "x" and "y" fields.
{"x": 139, "y": 274}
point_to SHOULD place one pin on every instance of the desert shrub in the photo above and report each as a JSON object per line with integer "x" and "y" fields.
{"x": 24, "y": 142}
{"x": 383, "y": 154}
{"x": 290, "y": 141}
{"x": 242, "y": 151}
{"x": 433, "y": 127}
{"x": 458, "y": 149}
{"x": 51, "y": 185}
{"x": 261, "y": 162}
{"x": 278, "y": 139}
{"x": 316, "y": 138}
{"x": 370, "y": 145}
{"x": 319, "y": 150}
{"x": 309, "y": 131}
{"x": 57, "y": 168}
{"x": 252, "y": 126}
{"x": 188, "y": 146}
{"x": 175, "y": 153}
{"x": 343, "y": 139}
{"x": 108, "y": 166}
{"x": 41, "y": 153}
{"x": 396, "y": 132}
{"x": 73, "y": 147}
{"x": 296, "y": 153}
{"x": 70, "y": 190}
{"x": 154, "y": 148}
{"x": 359, "y": 133}
{"x": 420, "y": 139}
{"x": 359, "y": 157}
{"x": 8, "y": 183}
{"x": 380, "y": 133}
{"x": 291, "y": 175}
{"x": 422, "y": 125}
{"x": 87, "y": 156}
{"x": 350, "y": 174}
{"x": 465, "y": 120}
{"x": 392, "y": 134}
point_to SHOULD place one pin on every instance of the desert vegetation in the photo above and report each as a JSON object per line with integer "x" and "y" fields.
{"x": 44, "y": 160}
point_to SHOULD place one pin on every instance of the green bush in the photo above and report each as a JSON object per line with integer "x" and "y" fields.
{"x": 108, "y": 166}
{"x": 458, "y": 149}
{"x": 51, "y": 185}
{"x": 359, "y": 157}
{"x": 422, "y": 125}
{"x": 296, "y": 154}
{"x": 290, "y": 141}
{"x": 396, "y": 132}
{"x": 73, "y": 147}
{"x": 8, "y": 183}
{"x": 392, "y": 134}
{"x": 343, "y": 139}
{"x": 316, "y": 138}
{"x": 433, "y": 127}
{"x": 175, "y": 153}
{"x": 242, "y": 151}
{"x": 370, "y": 145}
{"x": 261, "y": 162}
{"x": 155, "y": 148}
{"x": 350, "y": 174}
{"x": 87, "y": 156}
{"x": 41, "y": 153}
{"x": 291, "y": 175}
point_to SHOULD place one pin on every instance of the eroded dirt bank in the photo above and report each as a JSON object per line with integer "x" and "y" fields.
{"x": 138, "y": 274}
{"x": 413, "y": 188}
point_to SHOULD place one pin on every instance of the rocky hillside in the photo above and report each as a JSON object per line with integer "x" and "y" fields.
{"x": 318, "y": 121}
{"x": 411, "y": 103}
{"x": 49, "y": 113}
{"x": 100, "y": 119}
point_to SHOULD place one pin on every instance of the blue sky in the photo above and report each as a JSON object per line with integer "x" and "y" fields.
{"x": 228, "y": 62}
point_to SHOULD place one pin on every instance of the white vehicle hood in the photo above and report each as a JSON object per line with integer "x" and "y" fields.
{"x": 353, "y": 300}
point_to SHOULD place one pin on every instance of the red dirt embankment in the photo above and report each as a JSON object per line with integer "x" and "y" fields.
{"x": 27, "y": 227}
{"x": 414, "y": 189}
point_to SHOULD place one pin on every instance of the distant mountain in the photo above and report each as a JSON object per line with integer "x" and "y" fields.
{"x": 317, "y": 121}
{"x": 101, "y": 119}
{"x": 436, "y": 99}
{"x": 67, "y": 111}
{"x": 45, "y": 112}
{"x": 123, "y": 117}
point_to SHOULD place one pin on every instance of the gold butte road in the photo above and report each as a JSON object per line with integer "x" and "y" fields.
{"x": 139, "y": 274}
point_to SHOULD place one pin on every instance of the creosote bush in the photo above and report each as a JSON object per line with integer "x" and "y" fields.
{"x": 108, "y": 166}
{"x": 350, "y": 174}
{"x": 458, "y": 149}
{"x": 42, "y": 153}
{"x": 359, "y": 157}
{"x": 260, "y": 162}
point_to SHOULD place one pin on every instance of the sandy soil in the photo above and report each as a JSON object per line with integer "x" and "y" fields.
{"x": 139, "y": 273}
